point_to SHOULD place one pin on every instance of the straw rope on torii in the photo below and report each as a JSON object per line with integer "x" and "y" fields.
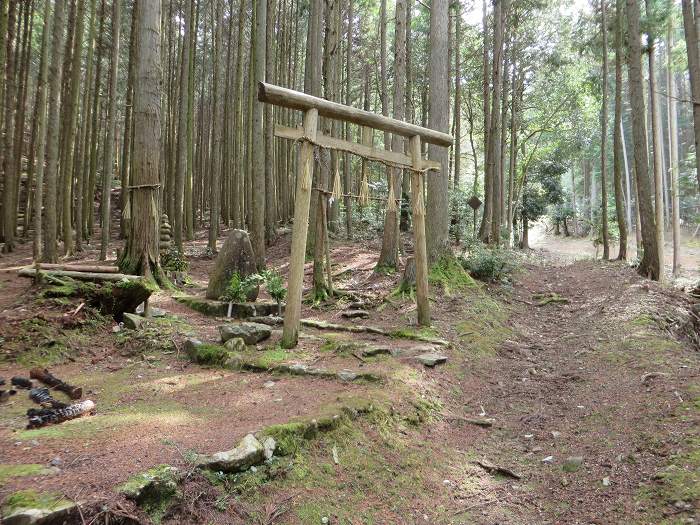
{"x": 308, "y": 135}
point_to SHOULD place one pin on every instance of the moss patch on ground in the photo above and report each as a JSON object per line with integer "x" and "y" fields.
{"x": 483, "y": 326}
{"x": 31, "y": 499}
{"x": 449, "y": 274}
{"x": 9, "y": 471}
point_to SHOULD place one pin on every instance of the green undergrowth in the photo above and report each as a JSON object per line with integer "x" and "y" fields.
{"x": 415, "y": 334}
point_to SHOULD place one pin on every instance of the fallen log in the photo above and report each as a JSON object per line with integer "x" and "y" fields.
{"x": 46, "y": 416}
{"x": 90, "y": 268}
{"x": 323, "y": 325}
{"x": 46, "y": 377}
{"x": 81, "y": 276}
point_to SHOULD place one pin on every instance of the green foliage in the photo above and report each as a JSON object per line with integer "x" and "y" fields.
{"x": 274, "y": 285}
{"x": 489, "y": 265}
{"x": 174, "y": 261}
{"x": 8, "y": 471}
{"x": 238, "y": 289}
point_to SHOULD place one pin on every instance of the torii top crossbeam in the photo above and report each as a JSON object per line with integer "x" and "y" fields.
{"x": 279, "y": 96}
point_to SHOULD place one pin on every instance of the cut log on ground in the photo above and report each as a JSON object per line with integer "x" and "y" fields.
{"x": 93, "y": 268}
{"x": 81, "y": 276}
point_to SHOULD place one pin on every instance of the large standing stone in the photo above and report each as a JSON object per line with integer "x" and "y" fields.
{"x": 236, "y": 255}
{"x": 251, "y": 333}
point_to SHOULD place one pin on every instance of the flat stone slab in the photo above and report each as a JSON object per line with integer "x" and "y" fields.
{"x": 355, "y": 314}
{"x": 413, "y": 351}
{"x": 214, "y": 308}
{"x": 248, "y": 453}
{"x": 251, "y": 333}
{"x": 372, "y": 351}
{"x": 430, "y": 359}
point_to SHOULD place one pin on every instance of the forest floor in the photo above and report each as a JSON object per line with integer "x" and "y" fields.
{"x": 583, "y": 410}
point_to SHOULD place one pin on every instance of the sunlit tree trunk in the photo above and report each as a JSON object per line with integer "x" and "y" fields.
{"x": 437, "y": 220}
{"x": 604, "y": 136}
{"x": 617, "y": 136}
{"x": 649, "y": 265}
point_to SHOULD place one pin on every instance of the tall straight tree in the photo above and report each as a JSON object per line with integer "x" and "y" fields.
{"x": 182, "y": 143}
{"x": 437, "y": 220}
{"x": 258, "y": 233}
{"x": 389, "y": 256}
{"x": 140, "y": 254}
{"x": 41, "y": 131}
{"x": 650, "y": 265}
{"x": 216, "y": 117}
{"x": 108, "y": 166}
{"x": 52, "y": 140}
{"x": 654, "y": 105}
{"x": 9, "y": 166}
{"x": 604, "y": 136}
{"x": 622, "y": 223}
{"x": 691, "y": 16}
{"x": 673, "y": 151}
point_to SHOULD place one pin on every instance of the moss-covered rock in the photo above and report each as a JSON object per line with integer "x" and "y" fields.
{"x": 27, "y": 507}
{"x": 154, "y": 490}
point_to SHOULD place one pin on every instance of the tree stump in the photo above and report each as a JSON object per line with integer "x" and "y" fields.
{"x": 236, "y": 255}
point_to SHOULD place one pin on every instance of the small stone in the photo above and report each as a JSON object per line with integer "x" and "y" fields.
{"x": 56, "y": 462}
{"x": 117, "y": 328}
{"x": 355, "y": 314}
{"x": 548, "y": 459}
{"x": 34, "y": 443}
{"x": 253, "y": 468}
{"x": 133, "y": 321}
{"x": 269, "y": 384}
{"x": 431, "y": 359}
{"x": 572, "y": 463}
{"x": 556, "y": 434}
{"x": 325, "y": 520}
{"x": 191, "y": 346}
{"x": 269, "y": 445}
{"x": 529, "y": 436}
{"x": 347, "y": 375}
{"x": 236, "y": 344}
{"x": 606, "y": 482}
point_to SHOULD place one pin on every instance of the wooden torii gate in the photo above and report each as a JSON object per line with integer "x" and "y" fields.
{"x": 308, "y": 134}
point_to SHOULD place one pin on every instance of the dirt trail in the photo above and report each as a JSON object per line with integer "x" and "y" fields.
{"x": 594, "y": 380}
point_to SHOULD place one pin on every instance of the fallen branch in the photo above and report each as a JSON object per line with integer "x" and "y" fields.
{"x": 479, "y": 422}
{"x": 496, "y": 469}
{"x": 74, "y": 392}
